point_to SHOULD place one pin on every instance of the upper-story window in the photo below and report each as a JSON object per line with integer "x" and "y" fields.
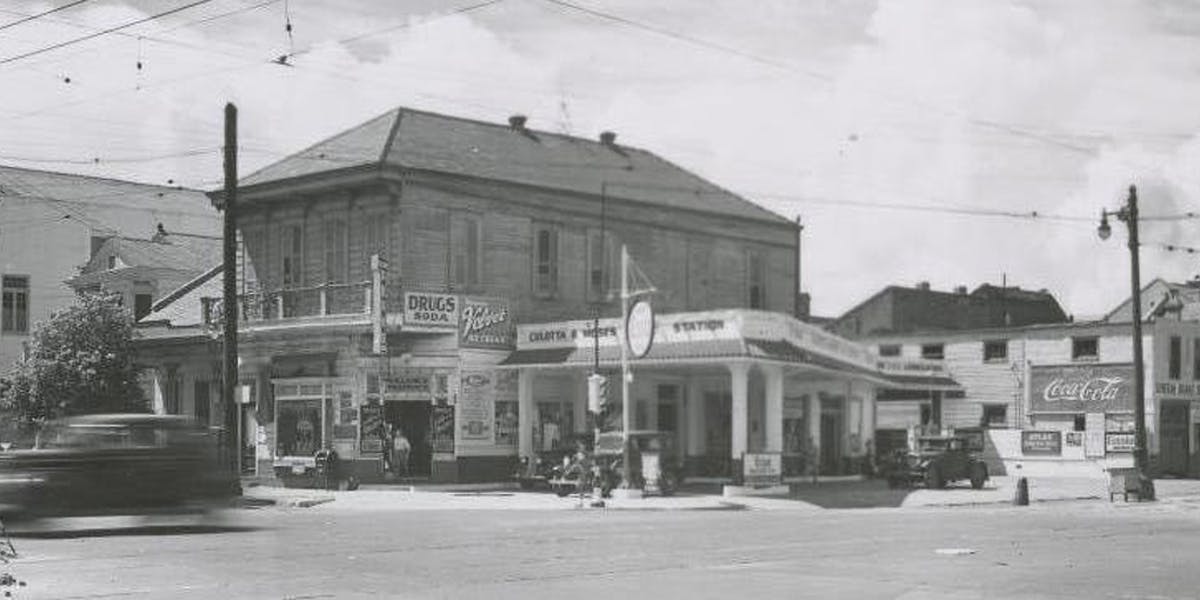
{"x": 1175, "y": 358}
{"x": 14, "y": 304}
{"x": 756, "y": 279}
{"x": 336, "y": 250}
{"x": 603, "y": 260}
{"x": 112, "y": 261}
{"x": 376, "y": 237}
{"x": 141, "y": 305}
{"x": 466, "y": 257}
{"x": 889, "y": 349}
{"x": 1085, "y": 348}
{"x": 933, "y": 351}
{"x": 545, "y": 259}
{"x": 995, "y": 350}
{"x": 291, "y": 255}
{"x": 252, "y": 244}
{"x": 1196, "y": 359}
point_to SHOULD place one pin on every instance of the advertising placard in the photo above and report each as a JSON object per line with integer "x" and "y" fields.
{"x": 486, "y": 324}
{"x": 371, "y": 428}
{"x": 1091, "y": 388}
{"x": 430, "y": 311}
{"x": 1094, "y": 443}
{"x": 476, "y": 408}
{"x": 1045, "y": 443}
{"x": 1119, "y": 442}
{"x": 442, "y": 434}
{"x": 762, "y": 470}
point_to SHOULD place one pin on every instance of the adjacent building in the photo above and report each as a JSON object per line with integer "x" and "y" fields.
{"x": 51, "y": 223}
{"x": 897, "y": 309}
{"x": 142, "y": 271}
{"x": 1057, "y": 398}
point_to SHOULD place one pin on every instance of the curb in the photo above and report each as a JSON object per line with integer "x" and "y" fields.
{"x": 719, "y": 506}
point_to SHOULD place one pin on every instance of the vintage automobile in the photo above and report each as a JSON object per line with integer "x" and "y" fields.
{"x": 116, "y": 464}
{"x": 657, "y": 465}
{"x": 541, "y": 469}
{"x": 937, "y": 461}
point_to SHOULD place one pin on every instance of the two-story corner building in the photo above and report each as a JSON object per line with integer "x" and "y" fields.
{"x": 899, "y": 309}
{"x": 142, "y": 271}
{"x": 52, "y": 223}
{"x": 480, "y": 226}
{"x": 1059, "y": 398}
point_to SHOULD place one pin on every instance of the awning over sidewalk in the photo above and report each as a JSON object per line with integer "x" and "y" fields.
{"x": 708, "y": 337}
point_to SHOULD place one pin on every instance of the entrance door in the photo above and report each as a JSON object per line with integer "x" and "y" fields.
{"x": 832, "y": 436}
{"x": 413, "y": 418}
{"x": 718, "y": 442}
{"x": 1173, "y": 436}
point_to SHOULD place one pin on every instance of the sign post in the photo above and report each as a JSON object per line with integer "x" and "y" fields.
{"x": 638, "y": 322}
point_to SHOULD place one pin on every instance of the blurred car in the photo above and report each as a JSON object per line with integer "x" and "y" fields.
{"x": 116, "y": 464}
{"x": 541, "y": 469}
{"x": 937, "y": 461}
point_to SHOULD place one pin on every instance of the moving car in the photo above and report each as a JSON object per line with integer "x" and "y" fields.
{"x": 116, "y": 464}
{"x": 937, "y": 461}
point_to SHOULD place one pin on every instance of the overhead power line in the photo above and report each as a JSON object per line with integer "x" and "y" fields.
{"x": 102, "y": 32}
{"x": 42, "y": 14}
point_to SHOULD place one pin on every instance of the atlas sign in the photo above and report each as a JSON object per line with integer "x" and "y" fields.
{"x": 1081, "y": 388}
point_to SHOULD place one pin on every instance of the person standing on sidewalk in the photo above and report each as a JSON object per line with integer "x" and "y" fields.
{"x": 385, "y": 438}
{"x": 401, "y": 449}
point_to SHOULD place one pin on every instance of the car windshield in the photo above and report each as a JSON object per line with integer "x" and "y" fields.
{"x": 939, "y": 444}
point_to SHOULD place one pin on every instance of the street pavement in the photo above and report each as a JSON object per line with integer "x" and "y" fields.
{"x": 527, "y": 545}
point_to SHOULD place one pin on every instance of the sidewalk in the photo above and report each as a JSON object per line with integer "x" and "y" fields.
{"x": 803, "y": 496}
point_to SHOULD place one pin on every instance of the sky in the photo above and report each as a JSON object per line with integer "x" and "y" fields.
{"x": 887, "y": 127}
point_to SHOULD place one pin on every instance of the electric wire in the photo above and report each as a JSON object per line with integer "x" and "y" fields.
{"x": 42, "y": 14}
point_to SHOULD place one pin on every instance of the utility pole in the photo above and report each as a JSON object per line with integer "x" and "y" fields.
{"x": 1129, "y": 215}
{"x": 229, "y": 374}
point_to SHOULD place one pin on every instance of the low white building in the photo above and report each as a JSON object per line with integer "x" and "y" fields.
{"x": 1057, "y": 399}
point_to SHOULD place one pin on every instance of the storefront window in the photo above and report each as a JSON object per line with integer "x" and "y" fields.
{"x": 299, "y": 427}
{"x": 555, "y": 421}
{"x": 507, "y": 423}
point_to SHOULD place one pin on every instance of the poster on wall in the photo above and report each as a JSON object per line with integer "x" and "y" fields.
{"x": 1119, "y": 442}
{"x": 371, "y": 427}
{"x": 442, "y": 432}
{"x": 1078, "y": 389}
{"x": 476, "y": 408}
{"x": 486, "y": 324}
{"x": 1044, "y": 443}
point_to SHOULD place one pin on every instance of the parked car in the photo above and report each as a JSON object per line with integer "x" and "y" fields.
{"x": 541, "y": 469}
{"x": 657, "y": 464}
{"x": 938, "y": 460}
{"x": 116, "y": 464}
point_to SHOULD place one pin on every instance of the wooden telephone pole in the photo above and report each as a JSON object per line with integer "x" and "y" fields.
{"x": 229, "y": 372}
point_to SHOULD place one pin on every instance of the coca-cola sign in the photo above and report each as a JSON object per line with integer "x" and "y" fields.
{"x": 1081, "y": 388}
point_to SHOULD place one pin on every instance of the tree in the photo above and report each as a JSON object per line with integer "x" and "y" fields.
{"x": 81, "y": 361}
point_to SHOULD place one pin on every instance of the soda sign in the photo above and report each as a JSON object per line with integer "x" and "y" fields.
{"x": 1081, "y": 388}
{"x": 431, "y": 311}
{"x": 486, "y": 324}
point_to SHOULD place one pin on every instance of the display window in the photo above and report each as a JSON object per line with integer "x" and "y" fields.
{"x": 300, "y": 427}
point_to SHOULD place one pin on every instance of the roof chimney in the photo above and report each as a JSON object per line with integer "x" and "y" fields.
{"x": 517, "y": 121}
{"x": 160, "y": 233}
{"x": 923, "y": 285}
{"x": 961, "y": 290}
{"x": 608, "y": 138}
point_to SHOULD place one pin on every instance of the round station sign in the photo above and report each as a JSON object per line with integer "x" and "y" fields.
{"x": 639, "y": 328}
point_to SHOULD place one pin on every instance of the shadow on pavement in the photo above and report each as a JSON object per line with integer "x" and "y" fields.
{"x": 16, "y": 532}
{"x": 871, "y": 493}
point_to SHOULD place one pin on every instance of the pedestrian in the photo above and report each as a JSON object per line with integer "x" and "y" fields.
{"x": 401, "y": 448}
{"x": 385, "y": 439}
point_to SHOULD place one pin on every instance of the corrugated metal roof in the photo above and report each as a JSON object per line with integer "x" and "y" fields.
{"x": 454, "y": 145}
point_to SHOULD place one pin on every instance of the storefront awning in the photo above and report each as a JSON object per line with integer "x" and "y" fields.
{"x": 609, "y": 355}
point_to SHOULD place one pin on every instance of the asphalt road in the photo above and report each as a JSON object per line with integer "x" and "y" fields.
{"x": 1070, "y": 550}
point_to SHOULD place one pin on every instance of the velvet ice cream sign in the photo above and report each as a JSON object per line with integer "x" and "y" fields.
{"x": 486, "y": 324}
{"x": 1081, "y": 388}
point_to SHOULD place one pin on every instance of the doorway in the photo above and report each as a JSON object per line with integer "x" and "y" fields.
{"x": 832, "y": 426}
{"x": 1173, "y": 429}
{"x": 413, "y": 418}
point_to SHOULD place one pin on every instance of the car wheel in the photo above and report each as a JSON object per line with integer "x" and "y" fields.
{"x": 562, "y": 491}
{"x": 933, "y": 478}
{"x": 978, "y": 476}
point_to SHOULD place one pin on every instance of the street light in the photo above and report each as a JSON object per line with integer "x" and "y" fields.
{"x": 1129, "y": 215}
